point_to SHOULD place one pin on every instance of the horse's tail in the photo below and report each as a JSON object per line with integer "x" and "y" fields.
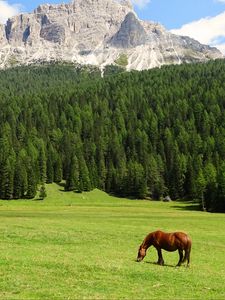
{"x": 188, "y": 251}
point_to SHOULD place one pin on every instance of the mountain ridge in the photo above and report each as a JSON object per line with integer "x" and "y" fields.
{"x": 95, "y": 32}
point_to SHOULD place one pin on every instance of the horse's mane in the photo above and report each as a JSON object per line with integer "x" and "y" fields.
{"x": 147, "y": 239}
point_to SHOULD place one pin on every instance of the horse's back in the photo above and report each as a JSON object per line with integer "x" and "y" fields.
{"x": 169, "y": 235}
{"x": 164, "y": 240}
{"x": 173, "y": 240}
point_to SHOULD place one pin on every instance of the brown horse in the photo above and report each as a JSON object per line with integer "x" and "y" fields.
{"x": 168, "y": 241}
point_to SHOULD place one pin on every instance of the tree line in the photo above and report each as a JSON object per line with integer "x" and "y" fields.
{"x": 138, "y": 134}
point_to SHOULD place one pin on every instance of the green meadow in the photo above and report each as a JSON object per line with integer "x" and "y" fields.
{"x": 84, "y": 246}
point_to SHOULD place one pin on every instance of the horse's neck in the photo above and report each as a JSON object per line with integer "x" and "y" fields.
{"x": 147, "y": 242}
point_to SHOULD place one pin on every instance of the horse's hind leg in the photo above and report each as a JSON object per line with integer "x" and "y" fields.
{"x": 160, "y": 257}
{"x": 187, "y": 256}
{"x": 181, "y": 257}
{"x": 184, "y": 258}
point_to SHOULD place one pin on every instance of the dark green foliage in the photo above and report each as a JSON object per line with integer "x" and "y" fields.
{"x": 112, "y": 70}
{"x": 84, "y": 179}
{"x": 73, "y": 178}
{"x": 43, "y": 193}
{"x": 42, "y": 162}
{"x": 135, "y": 182}
{"x": 139, "y": 134}
{"x": 31, "y": 183}
{"x": 219, "y": 200}
{"x": 58, "y": 169}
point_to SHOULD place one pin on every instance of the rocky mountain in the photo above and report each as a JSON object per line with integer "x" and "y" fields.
{"x": 96, "y": 32}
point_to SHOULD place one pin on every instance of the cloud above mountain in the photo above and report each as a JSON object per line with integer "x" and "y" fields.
{"x": 7, "y": 10}
{"x": 209, "y": 30}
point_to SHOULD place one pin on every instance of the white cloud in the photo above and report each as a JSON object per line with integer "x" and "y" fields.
{"x": 209, "y": 30}
{"x": 222, "y": 1}
{"x": 141, "y": 3}
{"x": 7, "y": 10}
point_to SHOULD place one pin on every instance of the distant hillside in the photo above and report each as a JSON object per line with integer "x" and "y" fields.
{"x": 138, "y": 134}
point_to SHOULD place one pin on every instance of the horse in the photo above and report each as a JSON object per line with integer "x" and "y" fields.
{"x": 167, "y": 241}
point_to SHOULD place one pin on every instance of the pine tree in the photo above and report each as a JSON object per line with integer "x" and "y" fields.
{"x": 20, "y": 184}
{"x": 101, "y": 170}
{"x": 201, "y": 186}
{"x": 219, "y": 201}
{"x": 84, "y": 180}
{"x": 58, "y": 169}
{"x": 93, "y": 173}
{"x": 210, "y": 176}
{"x": 110, "y": 179}
{"x": 178, "y": 174}
{"x": 7, "y": 180}
{"x": 50, "y": 171}
{"x": 43, "y": 193}
{"x": 42, "y": 162}
{"x": 31, "y": 183}
{"x": 136, "y": 184}
{"x": 72, "y": 181}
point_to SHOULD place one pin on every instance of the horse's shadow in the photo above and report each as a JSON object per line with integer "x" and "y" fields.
{"x": 156, "y": 264}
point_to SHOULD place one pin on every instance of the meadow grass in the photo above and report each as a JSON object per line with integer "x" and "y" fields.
{"x": 84, "y": 246}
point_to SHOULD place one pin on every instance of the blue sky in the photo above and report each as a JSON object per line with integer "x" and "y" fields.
{"x": 175, "y": 13}
{"x": 201, "y": 19}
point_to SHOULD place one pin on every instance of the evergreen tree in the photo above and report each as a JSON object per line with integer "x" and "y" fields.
{"x": 43, "y": 193}
{"x": 42, "y": 162}
{"x": 210, "y": 195}
{"x": 31, "y": 183}
{"x": 101, "y": 170}
{"x": 58, "y": 170}
{"x": 20, "y": 184}
{"x": 50, "y": 164}
{"x": 72, "y": 181}
{"x": 136, "y": 184}
{"x": 201, "y": 186}
{"x": 7, "y": 180}
{"x": 84, "y": 180}
{"x": 219, "y": 201}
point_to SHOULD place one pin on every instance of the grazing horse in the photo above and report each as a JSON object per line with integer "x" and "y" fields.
{"x": 168, "y": 241}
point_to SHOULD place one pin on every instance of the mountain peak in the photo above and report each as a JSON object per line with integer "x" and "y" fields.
{"x": 94, "y": 32}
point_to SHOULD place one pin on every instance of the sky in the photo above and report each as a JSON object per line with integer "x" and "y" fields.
{"x": 203, "y": 20}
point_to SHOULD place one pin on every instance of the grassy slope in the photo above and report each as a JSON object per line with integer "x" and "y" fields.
{"x": 74, "y": 246}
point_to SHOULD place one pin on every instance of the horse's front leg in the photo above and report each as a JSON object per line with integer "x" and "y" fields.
{"x": 181, "y": 257}
{"x": 160, "y": 257}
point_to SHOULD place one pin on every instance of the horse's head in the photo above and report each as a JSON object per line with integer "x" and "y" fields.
{"x": 141, "y": 254}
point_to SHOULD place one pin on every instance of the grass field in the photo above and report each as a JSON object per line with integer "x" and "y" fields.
{"x": 84, "y": 246}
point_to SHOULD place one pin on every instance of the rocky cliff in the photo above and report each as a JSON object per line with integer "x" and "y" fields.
{"x": 95, "y": 32}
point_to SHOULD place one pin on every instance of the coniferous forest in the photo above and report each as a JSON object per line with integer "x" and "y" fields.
{"x": 138, "y": 134}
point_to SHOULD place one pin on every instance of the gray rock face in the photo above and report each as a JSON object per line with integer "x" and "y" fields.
{"x": 53, "y": 33}
{"x": 2, "y": 34}
{"x": 95, "y": 32}
{"x": 131, "y": 33}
